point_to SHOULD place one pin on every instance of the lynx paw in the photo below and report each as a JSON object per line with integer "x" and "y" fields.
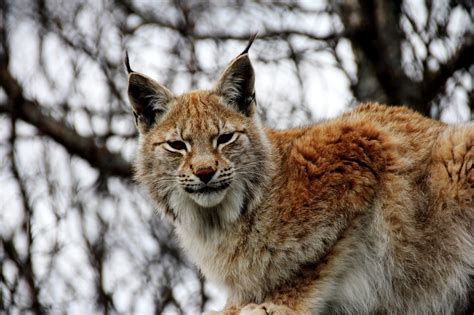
{"x": 265, "y": 309}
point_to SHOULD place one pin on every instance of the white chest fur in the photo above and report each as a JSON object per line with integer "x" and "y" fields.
{"x": 208, "y": 253}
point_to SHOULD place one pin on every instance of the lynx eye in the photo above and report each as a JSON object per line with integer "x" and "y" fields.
{"x": 177, "y": 145}
{"x": 224, "y": 138}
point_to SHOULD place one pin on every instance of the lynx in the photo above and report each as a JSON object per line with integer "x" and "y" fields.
{"x": 371, "y": 212}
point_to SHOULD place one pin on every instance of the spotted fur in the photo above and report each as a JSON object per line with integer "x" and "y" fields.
{"x": 372, "y": 212}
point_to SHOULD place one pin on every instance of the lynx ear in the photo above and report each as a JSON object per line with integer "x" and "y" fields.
{"x": 237, "y": 84}
{"x": 149, "y": 100}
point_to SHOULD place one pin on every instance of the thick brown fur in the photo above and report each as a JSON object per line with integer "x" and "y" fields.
{"x": 371, "y": 212}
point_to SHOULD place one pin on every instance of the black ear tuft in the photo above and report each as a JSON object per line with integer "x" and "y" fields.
{"x": 236, "y": 85}
{"x": 127, "y": 63}
{"x": 251, "y": 40}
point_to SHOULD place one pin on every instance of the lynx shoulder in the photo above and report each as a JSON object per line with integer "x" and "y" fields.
{"x": 371, "y": 212}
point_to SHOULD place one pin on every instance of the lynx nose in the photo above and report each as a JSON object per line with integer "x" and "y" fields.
{"x": 205, "y": 174}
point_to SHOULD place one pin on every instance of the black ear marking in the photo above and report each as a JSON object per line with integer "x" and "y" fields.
{"x": 127, "y": 63}
{"x": 236, "y": 85}
{"x": 149, "y": 100}
{"x": 136, "y": 117}
{"x": 251, "y": 40}
{"x": 237, "y": 82}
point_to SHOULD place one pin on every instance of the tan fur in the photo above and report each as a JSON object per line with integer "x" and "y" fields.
{"x": 371, "y": 212}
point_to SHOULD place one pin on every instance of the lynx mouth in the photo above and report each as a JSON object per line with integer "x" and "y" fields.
{"x": 208, "y": 189}
{"x": 208, "y": 196}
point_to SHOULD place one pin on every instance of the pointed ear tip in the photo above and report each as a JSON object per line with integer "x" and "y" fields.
{"x": 251, "y": 40}
{"x": 127, "y": 63}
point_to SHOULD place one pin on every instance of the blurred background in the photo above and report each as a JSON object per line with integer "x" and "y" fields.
{"x": 77, "y": 234}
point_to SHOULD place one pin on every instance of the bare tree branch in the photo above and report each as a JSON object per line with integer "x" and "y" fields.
{"x": 183, "y": 28}
{"x": 98, "y": 156}
{"x": 25, "y": 264}
{"x": 374, "y": 30}
{"x": 372, "y": 27}
{"x": 99, "y": 248}
{"x": 435, "y": 81}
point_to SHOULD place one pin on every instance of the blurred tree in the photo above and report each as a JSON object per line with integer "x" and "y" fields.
{"x": 76, "y": 235}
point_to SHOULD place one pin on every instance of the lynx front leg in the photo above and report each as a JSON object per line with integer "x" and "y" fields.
{"x": 311, "y": 290}
{"x": 291, "y": 299}
{"x": 308, "y": 293}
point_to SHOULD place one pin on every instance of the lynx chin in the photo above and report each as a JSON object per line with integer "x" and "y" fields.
{"x": 369, "y": 213}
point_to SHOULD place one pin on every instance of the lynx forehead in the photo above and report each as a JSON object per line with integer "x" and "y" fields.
{"x": 372, "y": 212}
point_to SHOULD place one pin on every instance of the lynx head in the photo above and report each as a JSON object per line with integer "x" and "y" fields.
{"x": 203, "y": 155}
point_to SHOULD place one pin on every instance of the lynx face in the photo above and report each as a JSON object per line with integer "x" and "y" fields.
{"x": 201, "y": 153}
{"x": 203, "y": 160}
